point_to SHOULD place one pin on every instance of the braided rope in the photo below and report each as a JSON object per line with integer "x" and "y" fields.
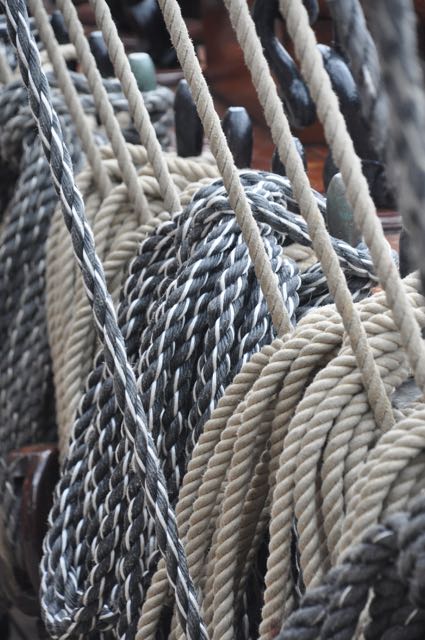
{"x": 134, "y": 428}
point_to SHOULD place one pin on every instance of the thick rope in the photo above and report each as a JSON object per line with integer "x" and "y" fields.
{"x": 71, "y": 96}
{"x": 394, "y": 28}
{"x": 134, "y": 426}
{"x": 314, "y": 342}
{"x": 104, "y": 108}
{"x": 136, "y": 104}
{"x": 380, "y": 574}
{"x": 117, "y": 234}
{"x": 210, "y": 120}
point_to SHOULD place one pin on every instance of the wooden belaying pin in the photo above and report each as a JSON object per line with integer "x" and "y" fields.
{"x": 188, "y": 126}
{"x": 100, "y": 52}
{"x": 237, "y": 127}
{"x": 339, "y": 214}
{"x": 408, "y": 262}
{"x": 277, "y": 164}
{"x": 58, "y": 25}
{"x": 143, "y": 69}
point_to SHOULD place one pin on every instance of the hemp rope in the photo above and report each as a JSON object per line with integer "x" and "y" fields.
{"x": 164, "y": 309}
{"x": 124, "y": 383}
{"x": 103, "y": 106}
{"x": 136, "y": 104}
{"x": 393, "y": 25}
{"x": 202, "y": 508}
{"x": 220, "y": 150}
{"x": 71, "y": 96}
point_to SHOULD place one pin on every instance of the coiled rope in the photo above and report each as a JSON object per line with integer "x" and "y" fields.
{"x": 381, "y": 573}
{"x": 134, "y": 425}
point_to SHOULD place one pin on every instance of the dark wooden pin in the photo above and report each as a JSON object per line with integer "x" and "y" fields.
{"x": 237, "y": 127}
{"x": 100, "y": 52}
{"x": 188, "y": 126}
{"x": 277, "y": 164}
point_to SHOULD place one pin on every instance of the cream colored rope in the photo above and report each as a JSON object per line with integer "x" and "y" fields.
{"x": 71, "y": 96}
{"x": 237, "y": 198}
{"x": 104, "y": 108}
{"x": 136, "y": 104}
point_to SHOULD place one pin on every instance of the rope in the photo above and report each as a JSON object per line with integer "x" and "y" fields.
{"x": 284, "y": 381}
{"x": 117, "y": 233}
{"x": 277, "y": 121}
{"x": 360, "y": 49}
{"x": 211, "y": 123}
{"x": 384, "y": 565}
{"x": 71, "y": 96}
{"x": 104, "y": 107}
{"x": 136, "y": 104}
{"x": 356, "y": 185}
{"x": 394, "y": 28}
{"x": 134, "y": 429}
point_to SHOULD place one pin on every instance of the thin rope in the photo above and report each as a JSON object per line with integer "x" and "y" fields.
{"x": 71, "y": 96}
{"x": 104, "y": 108}
{"x": 212, "y": 127}
{"x": 358, "y": 196}
{"x": 134, "y": 424}
{"x": 136, "y": 104}
{"x": 357, "y": 43}
{"x": 276, "y": 119}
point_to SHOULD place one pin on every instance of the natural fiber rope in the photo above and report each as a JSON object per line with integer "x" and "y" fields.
{"x": 104, "y": 108}
{"x": 204, "y": 104}
{"x": 136, "y": 104}
{"x": 71, "y": 96}
{"x": 134, "y": 427}
{"x": 282, "y": 136}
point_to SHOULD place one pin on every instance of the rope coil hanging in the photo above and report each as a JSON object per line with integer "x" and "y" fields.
{"x": 293, "y": 436}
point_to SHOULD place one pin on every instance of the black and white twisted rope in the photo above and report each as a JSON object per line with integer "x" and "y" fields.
{"x": 383, "y": 574}
{"x": 191, "y": 313}
{"x": 137, "y": 446}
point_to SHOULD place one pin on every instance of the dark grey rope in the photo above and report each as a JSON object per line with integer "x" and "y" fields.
{"x": 393, "y": 26}
{"x": 137, "y": 446}
{"x": 383, "y": 574}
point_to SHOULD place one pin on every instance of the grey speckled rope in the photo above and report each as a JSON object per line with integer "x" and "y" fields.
{"x": 386, "y": 565}
{"x": 135, "y": 436}
{"x": 393, "y": 25}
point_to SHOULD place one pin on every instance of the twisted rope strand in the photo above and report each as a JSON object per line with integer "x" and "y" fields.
{"x": 358, "y": 196}
{"x": 124, "y": 382}
{"x": 212, "y": 127}
{"x": 104, "y": 108}
{"x": 136, "y": 104}
{"x": 277, "y": 121}
{"x": 71, "y": 96}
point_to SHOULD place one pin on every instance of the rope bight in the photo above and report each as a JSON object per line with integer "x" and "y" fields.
{"x": 228, "y": 435}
